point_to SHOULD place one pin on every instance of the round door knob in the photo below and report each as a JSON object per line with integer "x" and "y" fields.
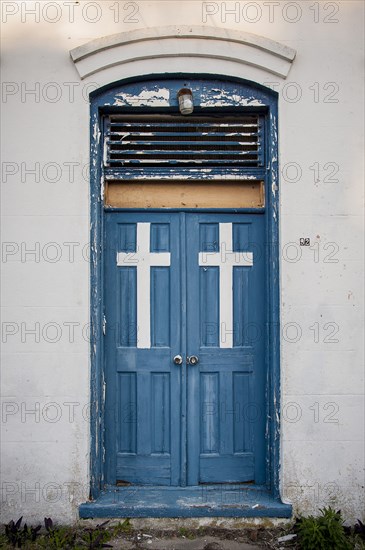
{"x": 178, "y": 360}
{"x": 193, "y": 360}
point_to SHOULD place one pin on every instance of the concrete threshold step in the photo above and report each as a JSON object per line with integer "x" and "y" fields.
{"x": 175, "y": 502}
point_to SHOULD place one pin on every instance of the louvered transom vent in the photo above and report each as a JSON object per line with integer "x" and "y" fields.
{"x": 180, "y": 141}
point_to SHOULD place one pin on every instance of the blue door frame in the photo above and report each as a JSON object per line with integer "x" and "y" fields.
{"x": 242, "y": 94}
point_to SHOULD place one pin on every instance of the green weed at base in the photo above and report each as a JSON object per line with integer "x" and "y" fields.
{"x": 325, "y": 532}
{"x": 124, "y": 528}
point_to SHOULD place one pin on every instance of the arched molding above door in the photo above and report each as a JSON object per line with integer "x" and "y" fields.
{"x": 172, "y": 49}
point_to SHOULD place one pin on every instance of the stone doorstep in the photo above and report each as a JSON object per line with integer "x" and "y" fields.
{"x": 185, "y": 502}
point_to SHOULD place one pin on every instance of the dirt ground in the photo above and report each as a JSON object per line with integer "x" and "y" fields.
{"x": 200, "y": 543}
{"x": 171, "y": 534}
{"x": 210, "y": 539}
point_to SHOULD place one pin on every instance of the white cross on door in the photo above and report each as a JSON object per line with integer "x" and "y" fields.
{"x": 226, "y": 260}
{"x": 143, "y": 260}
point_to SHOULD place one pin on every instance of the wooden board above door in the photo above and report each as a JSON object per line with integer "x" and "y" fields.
{"x": 180, "y": 194}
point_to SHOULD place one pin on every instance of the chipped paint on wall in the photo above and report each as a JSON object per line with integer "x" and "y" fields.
{"x": 157, "y": 97}
{"x": 225, "y": 98}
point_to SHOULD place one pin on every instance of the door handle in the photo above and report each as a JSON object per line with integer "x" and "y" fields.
{"x": 193, "y": 360}
{"x": 178, "y": 360}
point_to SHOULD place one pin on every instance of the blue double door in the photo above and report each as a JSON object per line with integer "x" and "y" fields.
{"x": 185, "y": 345}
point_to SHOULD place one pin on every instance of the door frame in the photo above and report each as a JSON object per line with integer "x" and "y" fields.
{"x": 101, "y": 101}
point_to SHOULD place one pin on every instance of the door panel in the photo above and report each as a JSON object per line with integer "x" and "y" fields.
{"x": 143, "y": 334}
{"x": 217, "y": 289}
{"x": 226, "y": 388}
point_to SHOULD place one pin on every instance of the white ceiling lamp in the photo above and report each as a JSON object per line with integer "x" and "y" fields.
{"x": 185, "y": 97}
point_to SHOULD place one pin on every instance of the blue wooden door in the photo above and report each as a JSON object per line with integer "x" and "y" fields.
{"x": 226, "y": 332}
{"x": 143, "y": 386}
{"x": 189, "y": 285}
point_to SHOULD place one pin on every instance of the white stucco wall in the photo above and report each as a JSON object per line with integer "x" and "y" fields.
{"x": 45, "y": 454}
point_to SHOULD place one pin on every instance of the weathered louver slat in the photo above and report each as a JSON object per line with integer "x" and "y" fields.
{"x": 176, "y": 141}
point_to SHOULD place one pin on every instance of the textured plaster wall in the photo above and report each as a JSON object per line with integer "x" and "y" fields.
{"x": 45, "y": 231}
